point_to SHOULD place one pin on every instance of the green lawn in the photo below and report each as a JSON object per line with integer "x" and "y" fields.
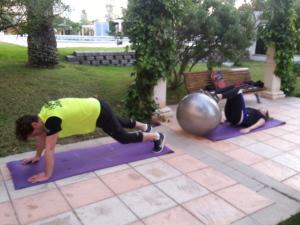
{"x": 294, "y": 220}
{"x": 24, "y": 90}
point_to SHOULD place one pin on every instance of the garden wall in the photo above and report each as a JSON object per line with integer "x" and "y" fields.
{"x": 116, "y": 58}
{"x": 102, "y": 58}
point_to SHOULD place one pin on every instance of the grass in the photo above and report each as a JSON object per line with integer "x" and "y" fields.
{"x": 24, "y": 90}
{"x": 294, "y": 220}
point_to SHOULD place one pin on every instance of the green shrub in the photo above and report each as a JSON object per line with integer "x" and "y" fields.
{"x": 296, "y": 69}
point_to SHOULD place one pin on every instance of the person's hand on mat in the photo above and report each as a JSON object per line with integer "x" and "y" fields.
{"x": 37, "y": 178}
{"x": 245, "y": 130}
{"x": 32, "y": 160}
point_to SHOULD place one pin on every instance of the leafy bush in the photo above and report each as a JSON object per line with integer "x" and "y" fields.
{"x": 280, "y": 32}
{"x": 296, "y": 69}
{"x": 149, "y": 25}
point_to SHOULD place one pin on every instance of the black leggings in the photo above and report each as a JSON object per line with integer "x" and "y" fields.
{"x": 113, "y": 125}
{"x": 235, "y": 108}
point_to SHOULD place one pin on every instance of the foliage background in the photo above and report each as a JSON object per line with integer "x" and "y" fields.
{"x": 280, "y": 32}
{"x": 149, "y": 25}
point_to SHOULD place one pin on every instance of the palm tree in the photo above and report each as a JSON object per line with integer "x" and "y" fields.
{"x": 42, "y": 46}
{"x": 35, "y": 18}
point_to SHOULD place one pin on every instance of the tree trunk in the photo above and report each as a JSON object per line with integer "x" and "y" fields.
{"x": 42, "y": 47}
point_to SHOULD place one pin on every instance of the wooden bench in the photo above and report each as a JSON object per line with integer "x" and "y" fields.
{"x": 194, "y": 81}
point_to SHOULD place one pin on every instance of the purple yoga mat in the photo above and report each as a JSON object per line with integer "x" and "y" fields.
{"x": 83, "y": 160}
{"x": 227, "y": 130}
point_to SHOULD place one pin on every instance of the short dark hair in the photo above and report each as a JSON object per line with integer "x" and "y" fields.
{"x": 24, "y": 127}
{"x": 268, "y": 116}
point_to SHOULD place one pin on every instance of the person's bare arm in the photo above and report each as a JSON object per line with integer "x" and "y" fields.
{"x": 223, "y": 119}
{"x": 261, "y": 122}
{"x": 41, "y": 142}
{"x": 49, "y": 160}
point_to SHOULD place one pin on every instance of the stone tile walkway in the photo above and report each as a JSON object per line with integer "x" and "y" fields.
{"x": 246, "y": 180}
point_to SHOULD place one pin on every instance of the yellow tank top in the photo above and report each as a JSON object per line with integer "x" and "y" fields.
{"x": 78, "y": 115}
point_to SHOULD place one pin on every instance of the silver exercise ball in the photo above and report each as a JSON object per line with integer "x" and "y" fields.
{"x": 198, "y": 114}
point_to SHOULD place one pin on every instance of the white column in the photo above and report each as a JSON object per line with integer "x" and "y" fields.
{"x": 159, "y": 96}
{"x": 120, "y": 26}
{"x": 1, "y": 36}
{"x": 272, "y": 82}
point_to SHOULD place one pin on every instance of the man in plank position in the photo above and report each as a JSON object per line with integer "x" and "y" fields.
{"x": 71, "y": 116}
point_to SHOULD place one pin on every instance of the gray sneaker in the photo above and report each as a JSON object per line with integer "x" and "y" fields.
{"x": 149, "y": 129}
{"x": 159, "y": 144}
{"x": 213, "y": 96}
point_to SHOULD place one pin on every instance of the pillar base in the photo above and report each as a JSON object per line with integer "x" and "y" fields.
{"x": 273, "y": 94}
{"x": 163, "y": 114}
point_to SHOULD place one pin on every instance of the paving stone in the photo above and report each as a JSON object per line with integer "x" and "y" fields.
{"x": 4, "y": 160}
{"x": 182, "y": 189}
{"x": 248, "y": 171}
{"x": 197, "y": 153}
{"x": 270, "y": 182}
{"x": 295, "y": 195}
{"x": 246, "y": 181}
{"x": 247, "y": 221}
{"x": 288, "y": 160}
{"x": 242, "y": 141}
{"x": 3, "y": 193}
{"x": 75, "y": 179}
{"x": 110, "y": 211}
{"x": 157, "y": 171}
{"x": 147, "y": 201}
{"x": 68, "y": 218}
{"x": 17, "y": 194}
{"x": 217, "y": 165}
{"x": 111, "y": 170}
{"x": 264, "y": 150}
{"x": 217, "y": 155}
